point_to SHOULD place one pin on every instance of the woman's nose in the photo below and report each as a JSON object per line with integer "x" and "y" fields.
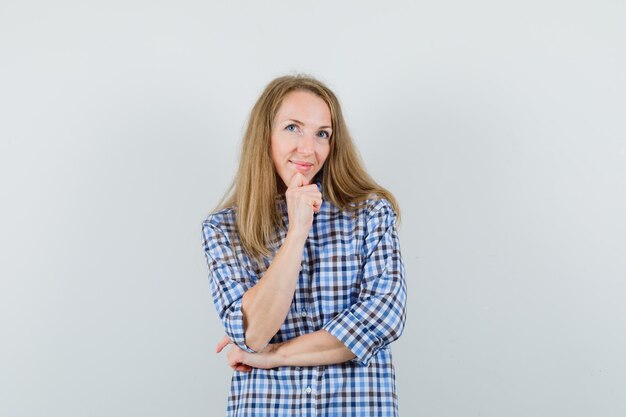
{"x": 306, "y": 143}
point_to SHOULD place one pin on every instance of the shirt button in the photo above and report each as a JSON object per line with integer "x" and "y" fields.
{"x": 303, "y": 314}
{"x": 301, "y": 267}
{"x": 308, "y": 390}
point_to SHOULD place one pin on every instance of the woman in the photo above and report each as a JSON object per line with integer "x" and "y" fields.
{"x": 305, "y": 266}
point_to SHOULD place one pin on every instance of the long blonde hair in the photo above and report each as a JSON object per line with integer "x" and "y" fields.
{"x": 255, "y": 186}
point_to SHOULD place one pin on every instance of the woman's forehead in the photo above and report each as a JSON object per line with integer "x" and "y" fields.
{"x": 305, "y": 108}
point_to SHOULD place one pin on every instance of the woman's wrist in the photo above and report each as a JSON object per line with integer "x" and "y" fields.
{"x": 274, "y": 357}
{"x": 298, "y": 234}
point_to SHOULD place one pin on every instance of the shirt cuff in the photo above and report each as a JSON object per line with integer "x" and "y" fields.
{"x": 347, "y": 328}
{"x": 234, "y": 327}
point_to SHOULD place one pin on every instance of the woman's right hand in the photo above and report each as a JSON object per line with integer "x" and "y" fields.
{"x": 303, "y": 199}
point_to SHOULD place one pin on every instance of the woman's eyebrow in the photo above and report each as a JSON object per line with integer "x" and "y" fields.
{"x": 300, "y": 123}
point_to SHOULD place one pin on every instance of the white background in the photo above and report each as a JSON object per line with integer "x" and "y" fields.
{"x": 498, "y": 125}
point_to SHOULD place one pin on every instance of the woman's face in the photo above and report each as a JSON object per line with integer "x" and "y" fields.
{"x": 301, "y": 134}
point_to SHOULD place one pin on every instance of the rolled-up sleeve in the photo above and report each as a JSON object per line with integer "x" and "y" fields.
{"x": 228, "y": 282}
{"x": 377, "y": 318}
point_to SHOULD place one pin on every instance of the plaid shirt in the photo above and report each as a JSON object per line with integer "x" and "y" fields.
{"x": 351, "y": 284}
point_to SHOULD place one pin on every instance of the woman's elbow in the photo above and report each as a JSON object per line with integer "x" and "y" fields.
{"x": 255, "y": 342}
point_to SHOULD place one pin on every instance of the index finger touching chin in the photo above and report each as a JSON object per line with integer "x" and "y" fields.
{"x": 298, "y": 180}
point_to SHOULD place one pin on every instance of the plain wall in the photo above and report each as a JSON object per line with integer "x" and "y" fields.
{"x": 499, "y": 126}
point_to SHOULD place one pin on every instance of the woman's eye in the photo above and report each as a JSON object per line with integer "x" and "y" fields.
{"x": 323, "y": 134}
{"x": 291, "y": 128}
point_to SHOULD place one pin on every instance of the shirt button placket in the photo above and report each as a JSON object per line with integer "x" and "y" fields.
{"x": 314, "y": 388}
{"x": 309, "y": 393}
{"x": 309, "y": 398}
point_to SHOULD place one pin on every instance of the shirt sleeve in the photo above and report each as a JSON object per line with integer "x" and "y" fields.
{"x": 228, "y": 281}
{"x": 377, "y": 318}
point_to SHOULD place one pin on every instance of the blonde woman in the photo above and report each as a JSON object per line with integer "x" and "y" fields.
{"x": 304, "y": 265}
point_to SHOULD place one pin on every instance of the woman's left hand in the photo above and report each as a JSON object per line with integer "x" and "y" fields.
{"x": 240, "y": 360}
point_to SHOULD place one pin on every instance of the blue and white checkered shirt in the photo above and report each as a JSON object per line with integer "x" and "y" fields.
{"x": 351, "y": 284}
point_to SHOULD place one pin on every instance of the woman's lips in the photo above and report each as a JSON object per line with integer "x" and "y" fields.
{"x": 302, "y": 166}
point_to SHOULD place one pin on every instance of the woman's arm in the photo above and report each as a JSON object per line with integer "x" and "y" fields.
{"x": 312, "y": 349}
{"x": 378, "y": 316}
{"x": 252, "y": 310}
{"x": 266, "y": 305}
